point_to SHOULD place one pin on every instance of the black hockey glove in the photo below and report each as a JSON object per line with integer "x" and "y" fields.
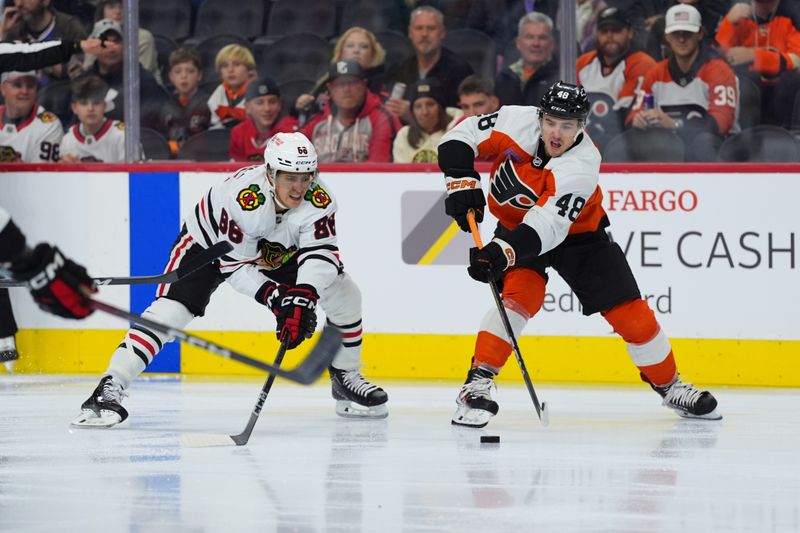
{"x": 489, "y": 262}
{"x": 464, "y": 193}
{"x": 296, "y": 312}
{"x": 58, "y": 285}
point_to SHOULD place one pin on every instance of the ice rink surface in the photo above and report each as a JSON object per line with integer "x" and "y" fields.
{"x": 612, "y": 460}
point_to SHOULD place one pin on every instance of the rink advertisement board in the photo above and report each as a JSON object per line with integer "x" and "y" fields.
{"x": 714, "y": 251}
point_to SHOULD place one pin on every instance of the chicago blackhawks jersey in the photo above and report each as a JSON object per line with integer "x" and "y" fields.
{"x": 556, "y": 196}
{"x": 709, "y": 89}
{"x": 33, "y": 139}
{"x": 105, "y": 146}
{"x": 242, "y": 211}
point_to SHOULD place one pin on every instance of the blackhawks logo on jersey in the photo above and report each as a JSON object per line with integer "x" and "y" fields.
{"x": 318, "y": 197}
{"x": 47, "y": 116}
{"x": 274, "y": 254}
{"x": 250, "y": 198}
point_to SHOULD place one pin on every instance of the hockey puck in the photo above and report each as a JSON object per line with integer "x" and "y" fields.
{"x": 490, "y": 439}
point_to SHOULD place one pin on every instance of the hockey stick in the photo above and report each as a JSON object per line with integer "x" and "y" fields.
{"x": 305, "y": 373}
{"x": 197, "y": 440}
{"x": 200, "y": 260}
{"x": 541, "y": 410}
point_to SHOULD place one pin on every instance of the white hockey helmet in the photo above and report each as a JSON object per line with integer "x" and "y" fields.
{"x": 291, "y": 152}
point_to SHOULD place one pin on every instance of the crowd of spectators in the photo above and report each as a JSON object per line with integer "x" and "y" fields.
{"x": 674, "y": 79}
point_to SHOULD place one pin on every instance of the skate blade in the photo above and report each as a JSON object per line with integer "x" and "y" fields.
{"x": 349, "y": 409}
{"x": 91, "y": 420}
{"x": 9, "y": 367}
{"x": 713, "y": 415}
{"x": 473, "y": 418}
{"x": 205, "y": 440}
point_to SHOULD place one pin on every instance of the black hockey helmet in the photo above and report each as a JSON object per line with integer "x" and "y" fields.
{"x": 566, "y": 100}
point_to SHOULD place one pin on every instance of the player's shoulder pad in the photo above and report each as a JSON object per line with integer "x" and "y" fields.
{"x": 520, "y": 123}
{"x": 47, "y": 117}
{"x": 249, "y": 187}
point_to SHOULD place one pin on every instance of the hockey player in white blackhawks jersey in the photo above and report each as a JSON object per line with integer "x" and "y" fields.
{"x": 280, "y": 219}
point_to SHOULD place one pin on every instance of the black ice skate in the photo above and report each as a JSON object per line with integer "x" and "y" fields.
{"x": 687, "y": 401}
{"x": 104, "y": 408}
{"x": 475, "y": 404}
{"x": 8, "y": 353}
{"x": 355, "y": 396}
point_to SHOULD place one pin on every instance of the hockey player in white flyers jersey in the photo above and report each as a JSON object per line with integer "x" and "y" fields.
{"x": 280, "y": 219}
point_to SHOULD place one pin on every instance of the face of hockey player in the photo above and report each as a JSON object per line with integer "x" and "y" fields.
{"x": 90, "y": 113}
{"x": 291, "y": 187}
{"x": 348, "y": 92}
{"x": 612, "y": 42}
{"x": 264, "y": 110}
{"x": 558, "y": 134}
{"x": 535, "y": 43}
{"x": 358, "y": 47}
{"x": 478, "y": 104}
{"x": 20, "y": 96}
{"x": 426, "y": 111}
{"x": 185, "y": 77}
{"x": 234, "y": 73}
{"x": 683, "y": 43}
{"x": 426, "y": 33}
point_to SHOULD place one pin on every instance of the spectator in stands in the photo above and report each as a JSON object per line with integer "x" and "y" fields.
{"x": 94, "y": 138}
{"x": 109, "y": 68}
{"x": 30, "y": 134}
{"x": 354, "y": 126}
{"x": 430, "y": 60}
{"x": 611, "y": 73}
{"x": 514, "y": 10}
{"x": 760, "y": 40}
{"x": 264, "y": 106}
{"x": 586, "y": 17}
{"x": 148, "y": 55}
{"x": 476, "y": 96}
{"x": 711, "y": 12}
{"x": 417, "y": 142}
{"x": 361, "y": 45}
{"x": 236, "y": 67}
{"x": 187, "y": 112}
{"x": 694, "y": 93}
{"x": 37, "y": 20}
{"x": 525, "y": 81}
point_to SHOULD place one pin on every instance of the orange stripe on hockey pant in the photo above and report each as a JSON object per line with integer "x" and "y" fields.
{"x": 523, "y": 294}
{"x": 636, "y": 323}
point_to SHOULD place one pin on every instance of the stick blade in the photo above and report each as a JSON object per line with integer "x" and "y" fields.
{"x": 545, "y": 416}
{"x": 319, "y": 358}
{"x": 205, "y": 440}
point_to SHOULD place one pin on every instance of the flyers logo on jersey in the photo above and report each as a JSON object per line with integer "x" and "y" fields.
{"x": 507, "y": 188}
{"x": 318, "y": 197}
{"x": 250, "y": 198}
{"x": 47, "y": 116}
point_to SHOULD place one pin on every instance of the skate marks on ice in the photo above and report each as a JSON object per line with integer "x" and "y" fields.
{"x": 613, "y": 459}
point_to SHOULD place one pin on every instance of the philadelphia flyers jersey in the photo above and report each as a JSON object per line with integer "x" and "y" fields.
{"x": 242, "y": 211}
{"x": 616, "y": 85}
{"x": 709, "y": 88}
{"x": 34, "y": 139}
{"x": 556, "y": 196}
{"x": 106, "y": 146}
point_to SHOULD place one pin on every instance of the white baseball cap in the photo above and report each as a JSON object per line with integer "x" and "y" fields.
{"x": 682, "y": 17}
{"x": 16, "y": 74}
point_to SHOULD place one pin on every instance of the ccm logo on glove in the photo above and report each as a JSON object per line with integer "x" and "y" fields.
{"x": 48, "y": 273}
{"x": 460, "y": 184}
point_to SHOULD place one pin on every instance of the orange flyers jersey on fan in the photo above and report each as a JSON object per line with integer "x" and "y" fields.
{"x": 556, "y": 196}
{"x": 620, "y": 83}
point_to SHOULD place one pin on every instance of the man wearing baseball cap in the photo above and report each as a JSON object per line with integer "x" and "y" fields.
{"x": 264, "y": 106}
{"x": 29, "y": 133}
{"x": 694, "y": 93}
{"x": 354, "y": 125}
{"x": 611, "y": 73}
